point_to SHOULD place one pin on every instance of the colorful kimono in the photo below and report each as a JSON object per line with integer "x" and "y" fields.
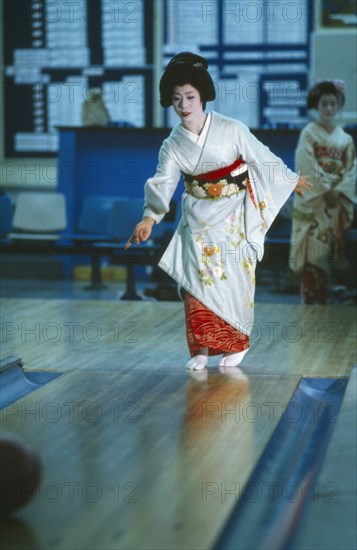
{"x": 235, "y": 187}
{"x": 318, "y": 222}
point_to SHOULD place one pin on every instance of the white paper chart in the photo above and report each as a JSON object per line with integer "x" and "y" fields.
{"x": 247, "y": 44}
{"x": 55, "y": 50}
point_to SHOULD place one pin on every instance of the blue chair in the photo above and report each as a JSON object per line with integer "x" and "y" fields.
{"x": 92, "y": 226}
{"x": 39, "y": 216}
{"x": 6, "y": 214}
{"x": 94, "y": 216}
{"x": 125, "y": 214}
{"x": 162, "y": 233}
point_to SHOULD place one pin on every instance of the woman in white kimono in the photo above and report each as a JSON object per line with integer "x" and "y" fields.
{"x": 327, "y": 154}
{"x": 234, "y": 189}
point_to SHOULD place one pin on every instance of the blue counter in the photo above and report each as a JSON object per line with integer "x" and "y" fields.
{"x": 117, "y": 161}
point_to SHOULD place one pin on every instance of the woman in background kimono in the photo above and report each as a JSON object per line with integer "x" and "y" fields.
{"x": 327, "y": 154}
{"x": 234, "y": 189}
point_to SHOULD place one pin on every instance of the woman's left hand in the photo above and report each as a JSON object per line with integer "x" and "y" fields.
{"x": 303, "y": 185}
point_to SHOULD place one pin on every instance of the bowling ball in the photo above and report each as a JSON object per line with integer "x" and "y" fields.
{"x": 20, "y": 474}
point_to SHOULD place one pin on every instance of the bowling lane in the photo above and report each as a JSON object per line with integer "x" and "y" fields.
{"x": 143, "y": 459}
{"x": 61, "y": 335}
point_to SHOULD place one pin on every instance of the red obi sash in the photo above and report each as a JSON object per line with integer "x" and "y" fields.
{"x": 220, "y": 173}
{"x": 219, "y": 183}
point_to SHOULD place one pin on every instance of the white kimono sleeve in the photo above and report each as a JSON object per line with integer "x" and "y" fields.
{"x": 272, "y": 181}
{"x": 160, "y": 188}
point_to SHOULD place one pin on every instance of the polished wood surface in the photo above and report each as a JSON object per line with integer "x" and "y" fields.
{"x": 144, "y": 459}
{"x": 139, "y": 453}
{"x": 66, "y": 335}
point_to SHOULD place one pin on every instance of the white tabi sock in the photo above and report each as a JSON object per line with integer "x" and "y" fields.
{"x": 197, "y": 362}
{"x": 232, "y": 359}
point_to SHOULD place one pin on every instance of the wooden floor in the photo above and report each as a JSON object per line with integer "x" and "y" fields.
{"x": 137, "y": 452}
{"x": 63, "y": 335}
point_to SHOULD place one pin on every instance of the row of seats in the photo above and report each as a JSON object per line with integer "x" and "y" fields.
{"x": 35, "y": 216}
{"x": 104, "y": 225}
{"x": 44, "y": 216}
{"x": 108, "y": 221}
{"x": 104, "y": 218}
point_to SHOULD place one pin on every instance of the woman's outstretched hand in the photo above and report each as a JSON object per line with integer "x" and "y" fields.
{"x": 141, "y": 232}
{"x": 303, "y": 185}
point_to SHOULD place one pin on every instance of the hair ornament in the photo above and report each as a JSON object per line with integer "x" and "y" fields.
{"x": 187, "y": 68}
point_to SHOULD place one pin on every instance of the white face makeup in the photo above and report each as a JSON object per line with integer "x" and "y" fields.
{"x": 327, "y": 107}
{"x": 186, "y": 101}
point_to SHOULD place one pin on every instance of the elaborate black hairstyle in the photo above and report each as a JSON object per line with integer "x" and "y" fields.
{"x": 325, "y": 87}
{"x": 186, "y": 68}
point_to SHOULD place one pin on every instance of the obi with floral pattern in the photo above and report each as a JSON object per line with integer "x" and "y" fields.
{"x": 225, "y": 182}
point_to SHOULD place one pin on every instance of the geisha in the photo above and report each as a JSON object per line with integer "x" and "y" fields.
{"x": 325, "y": 152}
{"x": 234, "y": 188}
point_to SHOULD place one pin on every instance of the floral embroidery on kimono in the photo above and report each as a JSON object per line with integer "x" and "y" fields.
{"x": 317, "y": 231}
{"x": 220, "y": 237}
